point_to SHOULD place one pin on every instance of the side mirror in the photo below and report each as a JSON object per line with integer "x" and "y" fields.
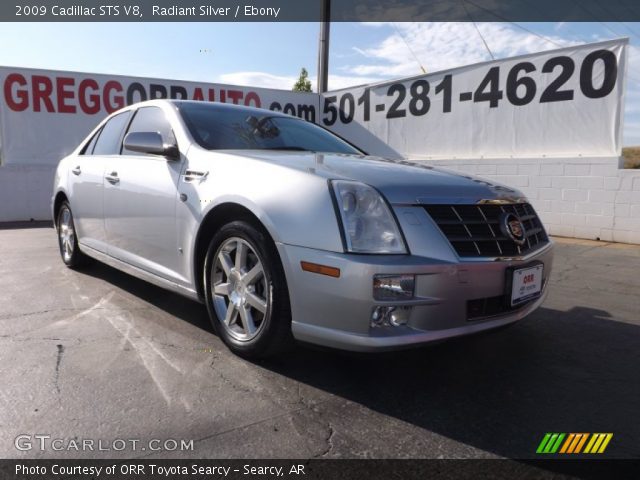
{"x": 151, "y": 143}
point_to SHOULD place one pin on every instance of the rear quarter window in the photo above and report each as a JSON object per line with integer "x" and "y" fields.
{"x": 88, "y": 148}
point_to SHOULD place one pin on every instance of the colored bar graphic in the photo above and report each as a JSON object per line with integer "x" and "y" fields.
{"x": 574, "y": 443}
{"x": 581, "y": 442}
{"x": 572, "y": 448}
{"x": 591, "y": 442}
{"x": 543, "y": 443}
{"x": 608, "y": 438}
{"x": 596, "y": 445}
{"x": 556, "y": 445}
{"x": 598, "y": 442}
{"x": 550, "y": 443}
{"x": 567, "y": 443}
{"x": 571, "y": 444}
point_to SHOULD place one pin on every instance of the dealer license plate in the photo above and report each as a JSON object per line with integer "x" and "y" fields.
{"x": 526, "y": 284}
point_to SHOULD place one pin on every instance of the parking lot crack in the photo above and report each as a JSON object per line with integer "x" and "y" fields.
{"x": 302, "y": 400}
{"x": 328, "y": 441}
{"x": 58, "y": 362}
{"x": 168, "y": 345}
{"x": 227, "y": 380}
{"x": 39, "y": 312}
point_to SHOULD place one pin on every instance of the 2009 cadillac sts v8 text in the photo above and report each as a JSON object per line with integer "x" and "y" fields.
{"x": 286, "y": 231}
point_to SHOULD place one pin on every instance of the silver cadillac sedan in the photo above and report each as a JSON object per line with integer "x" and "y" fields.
{"x": 287, "y": 232}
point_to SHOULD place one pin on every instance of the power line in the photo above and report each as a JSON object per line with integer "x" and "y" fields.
{"x": 535, "y": 33}
{"x": 409, "y": 47}
{"x": 592, "y": 15}
{"x": 632, "y": 32}
{"x": 616, "y": 17}
{"x": 617, "y": 34}
{"x": 478, "y": 30}
{"x": 505, "y": 19}
{"x": 624, "y": 24}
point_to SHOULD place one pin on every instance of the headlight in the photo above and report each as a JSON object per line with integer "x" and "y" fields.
{"x": 369, "y": 226}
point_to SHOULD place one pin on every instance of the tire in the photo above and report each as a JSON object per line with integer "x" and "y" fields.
{"x": 70, "y": 251}
{"x": 246, "y": 291}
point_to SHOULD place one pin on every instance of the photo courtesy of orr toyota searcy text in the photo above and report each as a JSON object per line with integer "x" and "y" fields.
{"x": 106, "y": 471}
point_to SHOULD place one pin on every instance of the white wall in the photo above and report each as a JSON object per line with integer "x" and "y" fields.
{"x": 580, "y": 197}
{"x": 25, "y": 192}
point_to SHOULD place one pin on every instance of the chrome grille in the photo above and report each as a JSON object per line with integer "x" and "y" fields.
{"x": 474, "y": 230}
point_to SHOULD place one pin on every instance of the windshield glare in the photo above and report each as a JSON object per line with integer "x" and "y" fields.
{"x": 236, "y": 129}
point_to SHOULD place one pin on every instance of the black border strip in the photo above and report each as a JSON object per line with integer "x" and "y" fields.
{"x": 351, "y": 469}
{"x": 341, "y": 11}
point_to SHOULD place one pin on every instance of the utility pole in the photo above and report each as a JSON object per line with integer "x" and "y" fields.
{"x": 323, "y": 47}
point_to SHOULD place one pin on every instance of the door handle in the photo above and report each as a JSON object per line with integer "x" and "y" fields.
{"x": 112, "y": 178}
{"x": 76, "y": 171}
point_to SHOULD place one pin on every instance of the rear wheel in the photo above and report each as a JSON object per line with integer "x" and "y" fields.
{"x": 67, "y": 238}
{"x": 246, "y": 292}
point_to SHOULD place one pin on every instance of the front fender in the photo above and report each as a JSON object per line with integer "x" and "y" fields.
{"x": 294, "y": 206}
{"x": 59, "y": 186}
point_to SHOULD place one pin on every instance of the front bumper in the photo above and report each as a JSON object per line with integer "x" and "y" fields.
{"x": 336, "y": 312}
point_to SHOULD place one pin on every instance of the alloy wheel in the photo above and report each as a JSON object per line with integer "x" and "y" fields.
{"x": 241, "y": 290}
{"x": 66, "y": 233}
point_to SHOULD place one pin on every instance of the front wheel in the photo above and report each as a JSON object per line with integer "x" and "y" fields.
{"x": 246, "y": 291}
{"x": 67, "y": 238}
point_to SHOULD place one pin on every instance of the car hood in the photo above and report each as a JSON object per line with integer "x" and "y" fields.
{"x": 401, "y": 181}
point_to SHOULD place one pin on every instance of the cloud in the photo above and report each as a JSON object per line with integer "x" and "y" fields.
{"x": 336, "y": 82}
{"x": 634, "y": 63}
{"x": 284, "y": 82}
{"x": 360, "y": 51}
{"x": 632, "y": 97}
{"x": 259, "y": 79}
{"x": 440, "y": 46}
{"x": 631, "y": 134}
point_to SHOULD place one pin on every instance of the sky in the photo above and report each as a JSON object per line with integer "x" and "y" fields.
{"x": 272, "y": 54}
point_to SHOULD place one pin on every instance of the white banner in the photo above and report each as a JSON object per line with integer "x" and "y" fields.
{"x": 45, "y": 114}
{"x": 565, "y": 102}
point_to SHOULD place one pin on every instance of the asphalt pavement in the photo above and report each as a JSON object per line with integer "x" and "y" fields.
{"x": 96, "y": 355}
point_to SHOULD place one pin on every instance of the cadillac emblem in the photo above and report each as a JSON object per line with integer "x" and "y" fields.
{"x": 512, "y": 227}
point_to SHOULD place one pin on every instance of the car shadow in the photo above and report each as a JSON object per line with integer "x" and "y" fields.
{"x": 501, "y": 391}
{"x": 176, "y": 305}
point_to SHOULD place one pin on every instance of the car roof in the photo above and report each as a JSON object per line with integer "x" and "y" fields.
{"x": 207, "y": 104}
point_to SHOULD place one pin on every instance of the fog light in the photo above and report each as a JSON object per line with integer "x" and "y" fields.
{"x": 390, "y": 316}
{"x": 400, "y": 316}
{"x": 393, "y": 287}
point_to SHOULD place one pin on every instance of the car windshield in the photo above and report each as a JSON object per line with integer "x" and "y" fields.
{"x": 216, "y": 128}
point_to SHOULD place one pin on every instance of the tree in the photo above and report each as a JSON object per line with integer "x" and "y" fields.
{"x": 303, "y": 84}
